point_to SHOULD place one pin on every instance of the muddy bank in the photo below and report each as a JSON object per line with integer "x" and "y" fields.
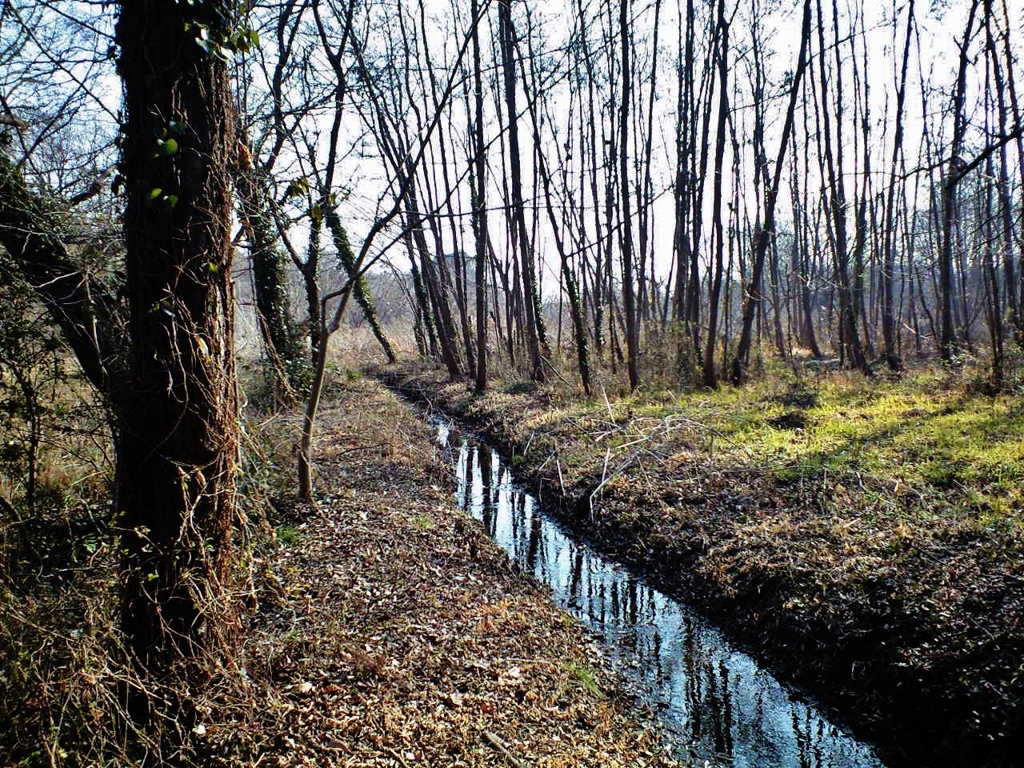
{"x": 913, "y": 635}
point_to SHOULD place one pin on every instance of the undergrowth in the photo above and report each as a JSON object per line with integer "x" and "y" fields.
{"x": 936, "y": 439}
{"x": 63, "y": 666}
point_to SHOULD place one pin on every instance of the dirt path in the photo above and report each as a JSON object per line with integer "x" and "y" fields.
{"x": 394, "y": 633}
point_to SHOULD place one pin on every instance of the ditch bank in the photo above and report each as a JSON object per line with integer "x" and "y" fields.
{"x": 913, "y": 636}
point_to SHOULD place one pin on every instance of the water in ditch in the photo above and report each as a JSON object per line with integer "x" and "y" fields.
{"x": 714, "y": 701}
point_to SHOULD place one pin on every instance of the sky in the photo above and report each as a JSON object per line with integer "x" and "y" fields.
{"x": 940, "y": 25}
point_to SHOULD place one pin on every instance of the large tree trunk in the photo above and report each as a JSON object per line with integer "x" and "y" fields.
{"x": 177, "y": 434}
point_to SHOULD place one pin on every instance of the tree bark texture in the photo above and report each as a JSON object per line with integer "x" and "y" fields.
{"x": 177, "y": 431}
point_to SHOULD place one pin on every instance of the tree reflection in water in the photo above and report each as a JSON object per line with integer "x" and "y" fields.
{"x": 714, "y": 701}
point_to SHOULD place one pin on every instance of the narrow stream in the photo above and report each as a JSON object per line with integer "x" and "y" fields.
{"x": 713, "y": 700}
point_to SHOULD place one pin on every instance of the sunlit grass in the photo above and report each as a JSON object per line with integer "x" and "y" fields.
{"x": 929, "y": 444}
{"x": 945, "y": 441}
{"x": 925, "y": 444}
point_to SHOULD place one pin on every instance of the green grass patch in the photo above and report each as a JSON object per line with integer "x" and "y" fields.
{"x": 423, "y": 522}
{"x": 288, "y": 534}
{"x": 587, "y": 679}
{"x": 930, "y": 438}
{"x": 942, "y": 444}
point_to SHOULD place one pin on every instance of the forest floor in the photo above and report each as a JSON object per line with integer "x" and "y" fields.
{"x": 382, "y": 628}
{"x": 392, "y": 632}
{"x": 865, "y": 538}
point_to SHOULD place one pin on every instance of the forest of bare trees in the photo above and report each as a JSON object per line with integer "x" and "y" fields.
{"x": 694, "y": 186}
{"x": 725, "y": 181}
{"x": 664, "y": 192}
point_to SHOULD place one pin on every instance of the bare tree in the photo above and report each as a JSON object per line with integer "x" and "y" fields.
{"x": 954, "y": 174}
{"x": 479, "y": 183}
{"x": 535, "y": 333}
{"x": 709, "y": 372}
{"x": 765, "y": 234}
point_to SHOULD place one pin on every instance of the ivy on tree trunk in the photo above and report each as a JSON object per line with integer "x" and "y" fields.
{"x": 177, "y": 420}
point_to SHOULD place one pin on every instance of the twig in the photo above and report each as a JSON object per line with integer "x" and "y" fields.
{"x": 529, "y": 442}
{"x": 493, "y": 741}
{"x": 355, "y": 448}
{"x": 14, "y": 122}
{"x": 604, "y": 479}
{"x": 554, "y": 370}
{"x": 398, "y": 757}
{"x": 608, "y": 405}
{"x": 650, "y": 762}
{"x": 9, "y": 508}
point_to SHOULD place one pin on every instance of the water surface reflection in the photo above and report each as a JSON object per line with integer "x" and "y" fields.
{"x": 711, "y": 698}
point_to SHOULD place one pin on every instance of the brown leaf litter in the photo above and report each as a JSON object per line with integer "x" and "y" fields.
{"x": 397, "y": 634}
